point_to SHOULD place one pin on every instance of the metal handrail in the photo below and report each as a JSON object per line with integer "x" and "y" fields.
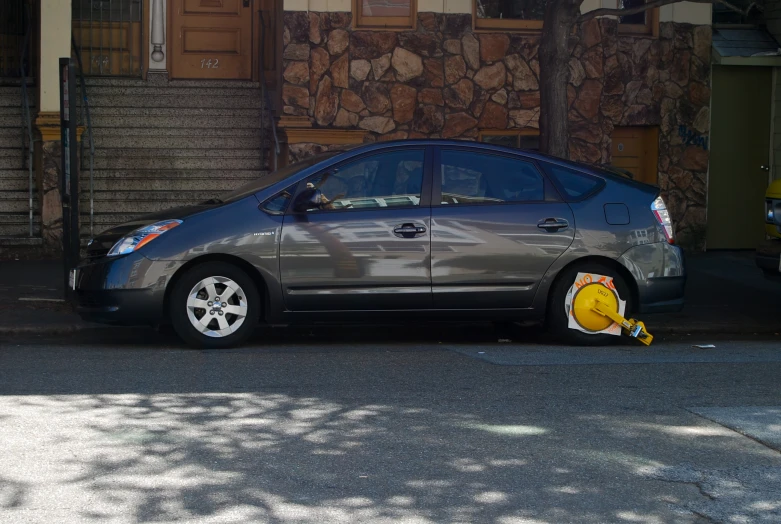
{"x": 28, "y": 123}
{"x": 86, "y": 109}
{"x": 266, "y": 99}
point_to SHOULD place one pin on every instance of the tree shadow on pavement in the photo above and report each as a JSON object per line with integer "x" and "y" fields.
{"x": 333, "y": 435}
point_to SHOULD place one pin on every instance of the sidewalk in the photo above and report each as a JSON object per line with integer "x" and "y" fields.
{"x": 726, "y": 294}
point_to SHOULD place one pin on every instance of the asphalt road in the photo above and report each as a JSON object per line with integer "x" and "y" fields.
{"x": 385, "y": 424}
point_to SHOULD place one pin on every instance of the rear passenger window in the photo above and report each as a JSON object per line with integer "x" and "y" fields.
{"x": 576, "y": 186}
{"x": 469, "y": 177}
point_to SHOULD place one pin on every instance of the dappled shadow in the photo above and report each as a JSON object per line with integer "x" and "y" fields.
{"x": 388, "y": 434}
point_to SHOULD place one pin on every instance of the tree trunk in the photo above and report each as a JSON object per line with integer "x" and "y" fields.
{"x": 560, "y": 18}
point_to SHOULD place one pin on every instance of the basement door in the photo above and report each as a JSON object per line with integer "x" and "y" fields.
{"x": 212, "y": 39}
{"x": 739, "y": 151}
{"x": 636, "y": 149}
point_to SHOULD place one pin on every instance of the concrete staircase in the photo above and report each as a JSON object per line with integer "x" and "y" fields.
{"x": 163, "y": 144}
{"x": 14, "y": 175}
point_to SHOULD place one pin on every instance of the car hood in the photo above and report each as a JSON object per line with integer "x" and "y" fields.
{"x": 102, "y": 243}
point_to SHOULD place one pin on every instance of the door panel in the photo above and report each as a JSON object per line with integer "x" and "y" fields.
{"x": 212, "y": 39}
{"x": 352, "y": 260}
{"x": 739, "y": 147}
{"x": 368, "y": 246}
{"x": 636, "y": 149}
{"x": 493, "y": 256}
{"x": 493, "y": 251}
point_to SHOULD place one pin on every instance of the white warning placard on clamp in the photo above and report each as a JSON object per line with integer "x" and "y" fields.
{"x": 584, "y": 279}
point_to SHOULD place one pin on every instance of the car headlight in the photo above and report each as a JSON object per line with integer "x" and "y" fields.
{"x": 141, "y": 237}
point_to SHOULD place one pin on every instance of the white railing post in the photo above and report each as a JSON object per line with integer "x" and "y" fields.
{"x": 157, "y": 36}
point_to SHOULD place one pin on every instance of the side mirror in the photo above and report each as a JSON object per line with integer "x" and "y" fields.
{"x": 309, "y": 198}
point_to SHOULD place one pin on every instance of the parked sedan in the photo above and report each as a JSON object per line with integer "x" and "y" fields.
{"x": 396, "y": 230}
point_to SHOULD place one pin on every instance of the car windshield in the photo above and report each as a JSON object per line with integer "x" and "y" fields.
{"x": 269, "y": 180}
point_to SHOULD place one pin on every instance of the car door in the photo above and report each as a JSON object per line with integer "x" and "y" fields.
{"x": 497, "y": 225}
{"x": 368, "y": 247}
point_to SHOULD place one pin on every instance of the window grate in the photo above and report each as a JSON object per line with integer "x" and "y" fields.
{"x": 108, "y": 34}
{"x": 14, "y": 23}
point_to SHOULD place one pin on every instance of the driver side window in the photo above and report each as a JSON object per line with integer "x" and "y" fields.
{"x": 389, "y": 179}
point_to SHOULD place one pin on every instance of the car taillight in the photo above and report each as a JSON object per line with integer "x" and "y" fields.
{"x": 663, "y": 217}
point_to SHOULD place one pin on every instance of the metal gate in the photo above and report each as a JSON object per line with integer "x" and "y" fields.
{"x": 109, "y": 33}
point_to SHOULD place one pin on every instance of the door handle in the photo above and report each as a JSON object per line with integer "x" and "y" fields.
{"x": 553, "y": 224}
{"x": 409, "y": 230}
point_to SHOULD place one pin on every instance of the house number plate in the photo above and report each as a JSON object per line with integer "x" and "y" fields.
{"x": 210, "y": 63}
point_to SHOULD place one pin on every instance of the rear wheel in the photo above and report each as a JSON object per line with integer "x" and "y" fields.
{"x": 214, "y": 305}
{"x": 557, "y": 319}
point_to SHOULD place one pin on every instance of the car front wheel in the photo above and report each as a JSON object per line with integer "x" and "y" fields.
{"x": 557, "y": 317}
{"x": 214, "y": 305}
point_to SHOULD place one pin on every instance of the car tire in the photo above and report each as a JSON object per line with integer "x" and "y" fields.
{"x": 203, "y": 322}
{"x": 557, "y": 321}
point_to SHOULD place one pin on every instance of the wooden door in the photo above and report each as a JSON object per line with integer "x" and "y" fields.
{"x": 636, "y": 149}
{"x": 212, "y": 39}
{"x": 739, "y": 148}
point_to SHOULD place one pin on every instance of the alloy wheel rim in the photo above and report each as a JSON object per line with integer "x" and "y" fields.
{"x": 217, "y": 306}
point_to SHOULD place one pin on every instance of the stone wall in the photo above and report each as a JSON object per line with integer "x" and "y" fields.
{"x": 444, "y": 80}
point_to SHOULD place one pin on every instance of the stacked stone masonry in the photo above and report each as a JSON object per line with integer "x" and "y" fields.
{"x": 442, "y": 80}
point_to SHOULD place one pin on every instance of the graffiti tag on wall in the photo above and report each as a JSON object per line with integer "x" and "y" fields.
{"x": 692, "y": 138}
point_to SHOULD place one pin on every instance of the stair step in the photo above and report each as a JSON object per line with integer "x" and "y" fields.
{"x": 13, "y": 162}
{"x": 215, "y": 186}
{"x": 136, "y": 83}
{"x": 176, "y": 163}
{"x": 8, "y": 134}
{"x": 13, "y": 239}
{"x": 163, "y": 122}
{"x": 174, "y": 197}
{"x": 163, "y": 153}
{"x": 100, "y": 113}
{"x": 166, "y": 132}
{"x": 138, "y": 207}
{"x": 13, "y": 110}
{"x": 15, "y": 152}
{"x": 17, "y": 180}
{"x": 152, "y": 91}
{"x": 99, "y": 100}
{"x": 12, "y": 202}
{"x": 176, "y": 142}
{"x": 14, "y": 121}
{"x": 167, "y": 174}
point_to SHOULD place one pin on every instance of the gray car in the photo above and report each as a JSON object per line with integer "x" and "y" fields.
{"x": 408, "y": 231}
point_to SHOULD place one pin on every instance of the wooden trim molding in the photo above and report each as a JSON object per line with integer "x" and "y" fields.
{"x": 503, "y": 24}
{"x": 388, "y": 23}
{"x": 649, "y": 28}
{"x": 326, "y": 137}
{"x": 47, "y": 124}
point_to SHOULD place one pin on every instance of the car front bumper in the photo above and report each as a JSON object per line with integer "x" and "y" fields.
{"x": 660, "y": 272}
{"x": 126, "y": 290}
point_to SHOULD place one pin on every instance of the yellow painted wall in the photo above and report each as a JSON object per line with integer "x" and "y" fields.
{"x": 55, "y": 44}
